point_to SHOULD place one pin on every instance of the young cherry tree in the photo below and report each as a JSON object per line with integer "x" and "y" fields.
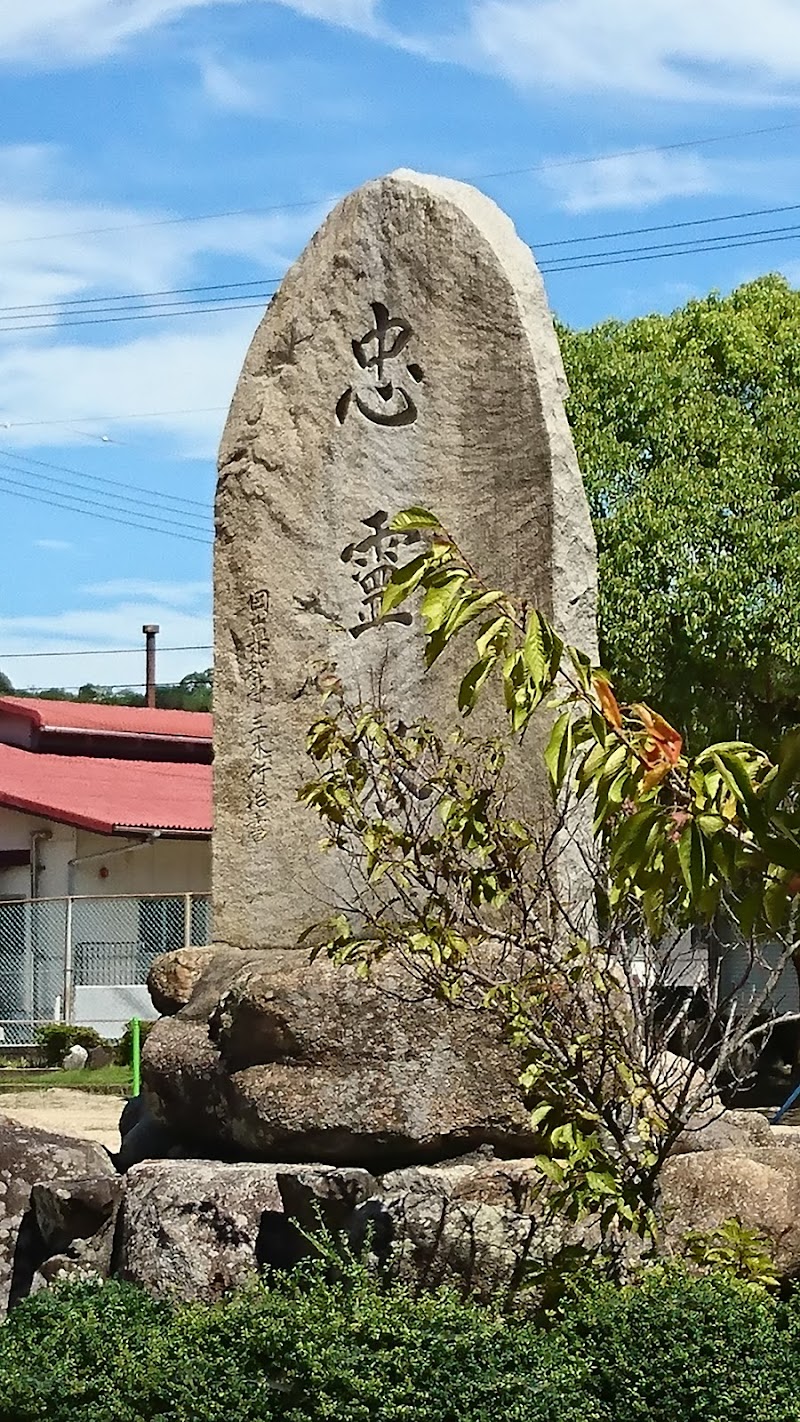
{"x": 445, "y": 876}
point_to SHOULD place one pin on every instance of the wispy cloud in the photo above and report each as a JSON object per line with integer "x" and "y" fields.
{"x": 299, "y": 90}
{"x": 63, "y": 373}
{"x": 669, "y": 49}
{"x": 53, "y": 545}
{"x": 186, "y": 594}
{"x": 644, "y": 179}
{"x": 46, "y": 32}
{"x": 633, "y": 181}
{"x": 79, "y": 635}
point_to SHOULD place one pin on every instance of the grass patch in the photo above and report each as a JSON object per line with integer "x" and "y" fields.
{"x": 105, "y": 1081}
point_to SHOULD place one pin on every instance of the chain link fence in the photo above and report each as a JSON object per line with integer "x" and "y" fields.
{"x": 86, "y": 960}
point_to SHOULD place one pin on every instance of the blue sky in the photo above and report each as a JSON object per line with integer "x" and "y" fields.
{"x": 123, "y": 118}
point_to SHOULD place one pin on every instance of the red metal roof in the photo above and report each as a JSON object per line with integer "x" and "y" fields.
{"x": 107, "y": 795}
{"x": 89, "y": 717}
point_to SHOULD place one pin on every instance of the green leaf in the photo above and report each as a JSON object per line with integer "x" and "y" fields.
{"x": 438, "y": 601}
{"x": 413, "y": 518}
{"x": 403, "y": 582}
{"x": 533, "y": 649}
{"x": 473, "y": 681}
{"x": 558, "y": 751}
{"x": 692, "y": 859}
{"x": 736, "y": 776}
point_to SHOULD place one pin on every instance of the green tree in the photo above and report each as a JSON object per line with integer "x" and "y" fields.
{"x": 687, "y": 429}
{"x": 473, "y": 900}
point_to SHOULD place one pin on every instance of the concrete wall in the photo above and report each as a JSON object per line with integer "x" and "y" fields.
{"x": 164, "y": 866}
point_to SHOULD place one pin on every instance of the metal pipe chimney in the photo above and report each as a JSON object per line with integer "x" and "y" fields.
{"x": 150, "y": 629}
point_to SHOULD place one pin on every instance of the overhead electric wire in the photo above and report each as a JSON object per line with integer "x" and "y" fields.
{"x": 579, "y": 262}
{"x": 143, "y": 295}
{"x": 110, "y": 419}
{"x": 96, "y": 305}
{"x": 543, "y": 166}
{"x": 139, "y": 511}
{"x": 134, "y": 316}
{"x": 107, "y": 651}
{"x": 28, "y": 491}
{"x": 625, "y": 256}
{"x": 80, "y": 474}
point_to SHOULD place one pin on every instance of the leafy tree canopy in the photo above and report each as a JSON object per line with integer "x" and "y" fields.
{"x": 688, "y": 432}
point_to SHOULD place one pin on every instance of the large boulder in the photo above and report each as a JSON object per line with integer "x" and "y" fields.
{"x": 192, "y": 1230}
{"x": 173, "y": 977}
{"x": 29, "y": 1156}
{"x": 76, "y": 1220}
{"x": 278, "y": 1058}
{"x": 761, "y": 1188}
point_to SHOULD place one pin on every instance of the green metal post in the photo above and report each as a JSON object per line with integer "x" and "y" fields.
{"x": 136, "y": 1055}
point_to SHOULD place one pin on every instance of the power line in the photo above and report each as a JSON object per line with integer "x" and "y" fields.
{"x": 142, "y": 295}
{"x": 113, "y": 484}
{"x": 138, "y": 511}
{"x": 135, "y": 316}
{"x": 581, "y": 261}
{"x": 673, "y": 250}
{"x": 106, "y": 652}
{"x": 129, "y": 301}
{"x": 25, "y": 491}
{"x": 109, "y": 419}
{"x": 94, "y": 305}
{"x": 544, "y": 166}
{"x": 672, "y": 226}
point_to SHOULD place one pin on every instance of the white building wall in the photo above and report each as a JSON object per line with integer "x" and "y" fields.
{"x": 163, "y": 866}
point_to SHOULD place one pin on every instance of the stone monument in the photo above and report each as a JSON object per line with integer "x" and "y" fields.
{"x": 409, "y": 357}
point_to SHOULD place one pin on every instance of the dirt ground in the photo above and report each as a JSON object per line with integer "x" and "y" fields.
{"x": 70, "y": 1113}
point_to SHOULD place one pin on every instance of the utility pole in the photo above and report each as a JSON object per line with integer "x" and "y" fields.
{"x": 150, "y": 629}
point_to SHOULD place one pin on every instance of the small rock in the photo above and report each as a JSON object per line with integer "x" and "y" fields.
{"x": 76, "y": 1058}
{"x": 100, "y": 1057}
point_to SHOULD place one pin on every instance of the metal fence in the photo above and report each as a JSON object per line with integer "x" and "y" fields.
{"x": 85, "y": 960}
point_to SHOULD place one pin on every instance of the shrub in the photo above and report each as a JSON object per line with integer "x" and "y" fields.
{"x": 310, "y": 1349}
{"x": 707, "y": 1349}
{"x": 56, "y": 1038}
{"x": 123, "y": 1049}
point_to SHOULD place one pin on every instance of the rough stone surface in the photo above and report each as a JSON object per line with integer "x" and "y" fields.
{"x": 173, "y": 976}
{"x": 726, "y": 1130}
{"x": 100, "y": 1057}
{"x": 192, "y": 1230}
{"x": 761, "y": 1188}
{"x": 306, "y": 1062}
{"x": 28, "y": 1156}
{"x": 427, "y": 1240}
{"x": 142, "y": 1137}
{"x": 76, "y": 1219}
{"x": 76, "y": 1058}
{"x": 408, "y": 358}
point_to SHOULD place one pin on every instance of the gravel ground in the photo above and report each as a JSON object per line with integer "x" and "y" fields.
{"x": 89, "y": 1116}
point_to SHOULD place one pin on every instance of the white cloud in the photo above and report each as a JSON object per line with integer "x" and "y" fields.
{"x": 633, "y": 180}
{"x": 63, "y": 373}
{"x": 53, "y": 545}
{"x": 672, "y": 49}
{"x": 186, "y": 594}
{"x": 44, "y": 32}
{"x": 77, "y": 631}
{"x": 646, "y": 178}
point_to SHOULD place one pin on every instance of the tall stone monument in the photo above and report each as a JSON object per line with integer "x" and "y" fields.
{"x": 409, "y": 357}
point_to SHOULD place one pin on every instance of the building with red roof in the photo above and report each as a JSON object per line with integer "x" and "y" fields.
{"x": 79, "y": 782}
{"x": 105, "y": 846}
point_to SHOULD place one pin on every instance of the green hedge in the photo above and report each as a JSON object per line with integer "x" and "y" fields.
{"x": 671, "y": 1350}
